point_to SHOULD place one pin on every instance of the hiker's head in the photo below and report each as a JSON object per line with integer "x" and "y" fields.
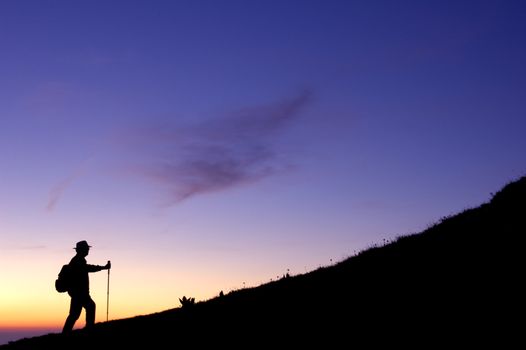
{"x": 82, "y": 247}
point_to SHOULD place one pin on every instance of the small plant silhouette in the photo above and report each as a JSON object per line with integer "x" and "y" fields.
{"x": 186, "y": 302}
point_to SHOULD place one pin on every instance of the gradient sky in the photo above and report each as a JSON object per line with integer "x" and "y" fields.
{"x": 214, "y": 145}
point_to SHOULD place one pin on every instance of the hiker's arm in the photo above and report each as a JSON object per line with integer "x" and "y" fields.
{"x": 95, "y": 268}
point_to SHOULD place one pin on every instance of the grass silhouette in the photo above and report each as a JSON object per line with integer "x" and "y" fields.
{"x": 455, "y": 284}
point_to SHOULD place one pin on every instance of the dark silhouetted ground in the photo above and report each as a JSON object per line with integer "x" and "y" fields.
{"x": 454, "y": 285}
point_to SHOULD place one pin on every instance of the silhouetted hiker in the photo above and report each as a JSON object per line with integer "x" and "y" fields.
{"x": 79, "y": 290}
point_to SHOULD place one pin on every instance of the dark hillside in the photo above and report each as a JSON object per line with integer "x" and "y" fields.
{"x": 455, "y": 284}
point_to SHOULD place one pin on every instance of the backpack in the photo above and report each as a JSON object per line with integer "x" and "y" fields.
{"x": 63, "y": 282}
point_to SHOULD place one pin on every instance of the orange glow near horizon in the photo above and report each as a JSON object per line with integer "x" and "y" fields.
{"x": 29, "y": 299}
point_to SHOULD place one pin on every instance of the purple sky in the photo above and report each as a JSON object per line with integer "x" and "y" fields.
{"x": 215, "y": 144}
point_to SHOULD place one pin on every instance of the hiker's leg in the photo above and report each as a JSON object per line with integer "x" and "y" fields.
{"x": 75, "y": 308}
{"x": 89, "y": 305}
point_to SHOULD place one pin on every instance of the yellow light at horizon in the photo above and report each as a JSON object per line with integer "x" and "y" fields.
{"x": 28, "y": 298}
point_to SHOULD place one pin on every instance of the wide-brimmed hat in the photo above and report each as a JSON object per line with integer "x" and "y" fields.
{"x": 82, "y": 245}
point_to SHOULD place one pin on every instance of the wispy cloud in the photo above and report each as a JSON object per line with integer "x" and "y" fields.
{"x": 220, "y": 154}
{"x": 23, "y": 247}
{"x": 57, "y": 191}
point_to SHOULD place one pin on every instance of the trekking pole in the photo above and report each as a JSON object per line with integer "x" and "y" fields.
{"x": 108, "y": 295}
